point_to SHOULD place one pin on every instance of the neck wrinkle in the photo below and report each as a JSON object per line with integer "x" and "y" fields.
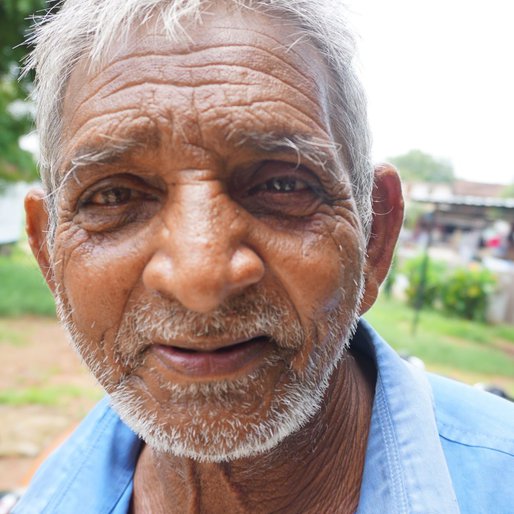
{"x": 317, "y": 470}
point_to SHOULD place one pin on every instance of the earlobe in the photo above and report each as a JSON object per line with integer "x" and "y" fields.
{"x": 37, "y": 228}
{"x": 385, "y": 229}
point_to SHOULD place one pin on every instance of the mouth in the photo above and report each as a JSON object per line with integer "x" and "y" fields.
{"x": 219, "y": 362}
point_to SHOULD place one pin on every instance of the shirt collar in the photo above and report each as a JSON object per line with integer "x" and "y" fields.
{"x": 405, "y": 469}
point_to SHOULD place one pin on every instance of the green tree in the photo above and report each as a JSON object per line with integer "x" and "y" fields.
{"x": 15, "y": 120}
{"x": 420, "y": 166}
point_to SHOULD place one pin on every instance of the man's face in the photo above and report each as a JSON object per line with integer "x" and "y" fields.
{"x": 208, "y": 252}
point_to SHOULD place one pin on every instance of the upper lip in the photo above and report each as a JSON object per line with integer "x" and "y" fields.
{"x": 206, "y": 344}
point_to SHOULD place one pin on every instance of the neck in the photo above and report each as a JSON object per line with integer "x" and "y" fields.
{"x": 317, "y": 470}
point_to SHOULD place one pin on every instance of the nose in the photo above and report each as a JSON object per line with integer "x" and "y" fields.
{"x": 202, "y": 255}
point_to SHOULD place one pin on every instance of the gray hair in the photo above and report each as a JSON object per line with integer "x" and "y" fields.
{"x": 88, "y": 28}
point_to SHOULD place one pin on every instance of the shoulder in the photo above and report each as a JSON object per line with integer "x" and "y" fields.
{"x": 471, "y": 416}
{"x": 91, "y": 470}
{"x": 476, "y": 431}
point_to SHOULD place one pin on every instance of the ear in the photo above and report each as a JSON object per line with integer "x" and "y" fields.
{"x": 387, "y": 221}
{"x": 37, "y": 228}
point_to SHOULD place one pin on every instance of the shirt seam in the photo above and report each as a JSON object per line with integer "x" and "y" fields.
{"x": 468, "y": 433}
{"x": 390, "y": 442}
{"x": 120, "y": 496}
{"x": 481, "y": 446}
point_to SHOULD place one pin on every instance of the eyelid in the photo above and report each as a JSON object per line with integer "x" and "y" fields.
{"x": 121, "y": 181}
{"x": 279, "y": 169}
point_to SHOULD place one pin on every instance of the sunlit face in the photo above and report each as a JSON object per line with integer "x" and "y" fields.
{"x": 208, "y": 252}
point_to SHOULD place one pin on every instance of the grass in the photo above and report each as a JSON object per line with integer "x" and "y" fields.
{"x": 11, "y": 337}
{"x": 49, "y": 396}
{"x": 443, "y": 342}
{"x": 22, "y": 287}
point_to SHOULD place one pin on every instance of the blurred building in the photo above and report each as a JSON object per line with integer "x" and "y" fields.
{"x": 468, "y": 221}
{"x": 11, "y": 212}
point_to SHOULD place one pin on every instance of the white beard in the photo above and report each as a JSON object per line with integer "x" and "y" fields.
{"x": 221, "y": 420}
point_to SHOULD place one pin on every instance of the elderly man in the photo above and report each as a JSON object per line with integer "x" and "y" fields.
{"x": 212, "y": 229}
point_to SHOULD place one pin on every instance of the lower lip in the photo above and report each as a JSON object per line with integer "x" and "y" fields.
{"x": 226, "y": 361}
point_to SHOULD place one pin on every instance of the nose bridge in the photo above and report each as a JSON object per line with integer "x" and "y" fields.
{"x": 202, "y": 225}
{"x": 202, "y": 255}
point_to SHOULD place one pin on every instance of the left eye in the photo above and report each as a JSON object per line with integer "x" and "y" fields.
{"x": 281, "y": 185}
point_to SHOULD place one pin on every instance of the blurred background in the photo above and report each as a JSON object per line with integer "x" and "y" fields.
{"x": 441, "y": 105}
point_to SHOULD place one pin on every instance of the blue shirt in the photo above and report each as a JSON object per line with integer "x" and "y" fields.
{"x": 435, "y": 446}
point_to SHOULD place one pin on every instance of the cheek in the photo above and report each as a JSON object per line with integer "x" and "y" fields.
{"x": 321, "y": 273}
{"x": 99, "y": 279}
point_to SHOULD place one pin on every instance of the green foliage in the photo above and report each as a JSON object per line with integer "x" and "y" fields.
{"x": 15, "y": 163}
{"x": 15, "y": 20}
{"x": 46, "y": 395}
{"x": 417, "y": 165}
{"x": 22, "y": 288}
{"x": 462, "y": 292}
{"x": 435, "y": 271}
{"x": 445, "y": 343}
{"x": 465, "y": 292}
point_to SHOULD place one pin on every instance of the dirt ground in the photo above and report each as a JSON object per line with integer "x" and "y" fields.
{"x": 37, "y": 360}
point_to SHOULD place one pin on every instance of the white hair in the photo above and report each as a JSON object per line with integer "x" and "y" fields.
{"x": 88, "y": 27}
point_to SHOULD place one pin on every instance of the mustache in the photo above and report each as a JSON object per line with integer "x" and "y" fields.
{"x": 253, "y": 313}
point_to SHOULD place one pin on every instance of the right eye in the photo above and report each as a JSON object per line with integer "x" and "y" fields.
{"x": 113, "y": 197}
{"x": 117, "y": 201}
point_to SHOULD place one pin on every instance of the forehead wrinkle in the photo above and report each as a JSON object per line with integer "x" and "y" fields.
{"x": 205, "y": 82}
{"x": 96, "y": 120}
{"x": 222, "y": 60}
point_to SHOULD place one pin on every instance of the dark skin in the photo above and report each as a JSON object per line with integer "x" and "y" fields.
{"x": 191, "y": 214}
{"x": 316, "y": 470}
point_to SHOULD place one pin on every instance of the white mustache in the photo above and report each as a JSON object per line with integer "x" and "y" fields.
{"x": 241, "y": 318}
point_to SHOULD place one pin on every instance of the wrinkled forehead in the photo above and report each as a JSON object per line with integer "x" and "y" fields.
{"x": 262, "y": 41}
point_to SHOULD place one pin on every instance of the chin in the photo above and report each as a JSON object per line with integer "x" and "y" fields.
{"x": 229, "y": 420}
{"x": 219, "y": 420}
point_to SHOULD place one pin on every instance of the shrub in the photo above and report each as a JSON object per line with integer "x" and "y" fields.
{"x": 435, "y": 274}
{"x": 466, "y": 291}
{"x": 22, "y": 287}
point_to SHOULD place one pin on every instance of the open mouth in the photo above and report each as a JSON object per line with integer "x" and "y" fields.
{"x": 225, "y": 349}
{"x": 221, "y": 361}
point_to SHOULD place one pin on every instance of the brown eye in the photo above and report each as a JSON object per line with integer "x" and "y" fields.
{"x": 281, "y": 185}
{"x": 112, "y": 197}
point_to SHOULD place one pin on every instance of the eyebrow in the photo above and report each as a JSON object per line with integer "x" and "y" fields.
{"x": 307, "y": 149}
{"x": 320, "y": 152}
{"x": 109, "y": 151}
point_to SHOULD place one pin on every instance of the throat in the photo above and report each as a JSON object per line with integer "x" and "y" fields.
{"x": 181, "y": 485}
{"x": 318, "y": 469}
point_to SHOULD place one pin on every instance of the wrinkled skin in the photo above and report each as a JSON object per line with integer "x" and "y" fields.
{"x": 199, "y": 211}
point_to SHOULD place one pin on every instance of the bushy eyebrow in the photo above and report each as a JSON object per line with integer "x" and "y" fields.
{"x": 110, "y": 150}
{"x": 307, "y": 149}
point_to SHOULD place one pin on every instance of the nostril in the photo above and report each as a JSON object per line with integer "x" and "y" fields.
{"x": 201, "y": 277}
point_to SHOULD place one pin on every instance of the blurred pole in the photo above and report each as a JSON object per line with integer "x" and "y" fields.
{"x": 420, "y": 293}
